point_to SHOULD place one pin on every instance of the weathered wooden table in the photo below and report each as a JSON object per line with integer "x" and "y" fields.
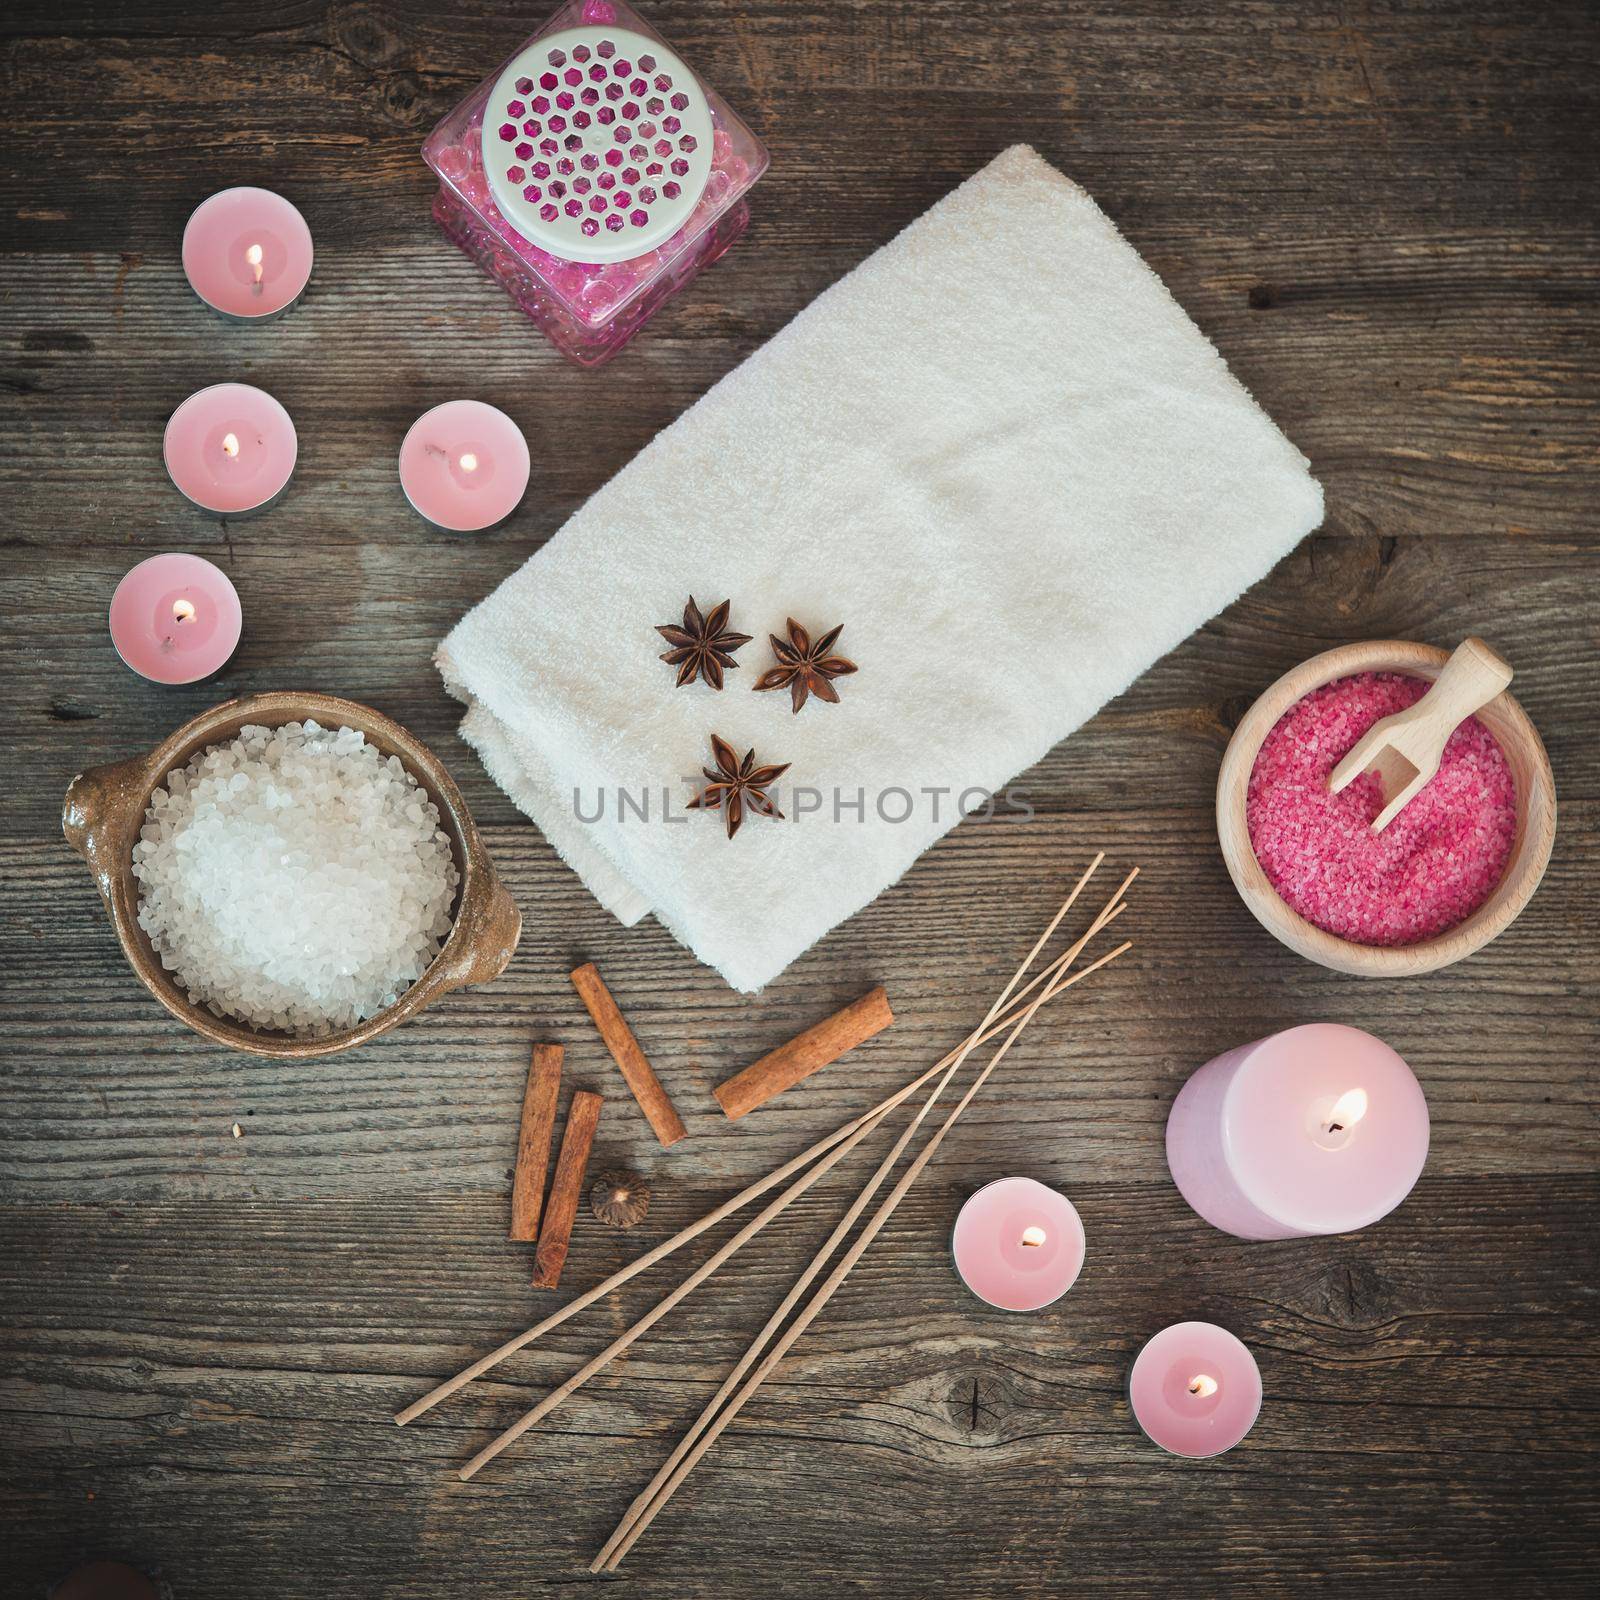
{"x": 1385, "y": 216}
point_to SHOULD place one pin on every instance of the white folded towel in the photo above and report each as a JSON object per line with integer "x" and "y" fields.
{"x": 998, "y": 452}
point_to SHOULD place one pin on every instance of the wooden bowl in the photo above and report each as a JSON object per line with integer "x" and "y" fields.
{"x": 105, "y": 809}
{"x": 1530, "y": 849}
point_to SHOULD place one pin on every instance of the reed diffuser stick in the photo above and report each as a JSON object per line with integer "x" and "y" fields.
{"x": 846, "y": 1264}
{"x": 848, "y": 1221}
{"x": 661, "y": 1251}
{"x": 762, "y": 1218}
{"x": 657, "y": 1253}
{"x": 667, "y": 1302}
{"x": 830, "y": 1285}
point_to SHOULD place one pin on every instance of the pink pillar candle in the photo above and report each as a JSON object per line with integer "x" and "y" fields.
{"x": 1018, "y": 1245}
{"x": 175, "y": 619}
{"x": 247, "y": 254}
{"x": 231, "y": 450}
{"x": 464, "y": 466}
{"x": 1320, "y": 1129}
{"x": 1195, "y": 1389}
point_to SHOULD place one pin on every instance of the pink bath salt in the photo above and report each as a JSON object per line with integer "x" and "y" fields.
{"x": 1432, "y": 867}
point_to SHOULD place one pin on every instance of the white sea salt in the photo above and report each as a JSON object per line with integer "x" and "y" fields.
{"x": 294, "y": 878}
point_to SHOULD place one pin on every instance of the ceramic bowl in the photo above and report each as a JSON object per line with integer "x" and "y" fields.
{"x": 1530, "y": 850}
{"x": 105, "y": 809}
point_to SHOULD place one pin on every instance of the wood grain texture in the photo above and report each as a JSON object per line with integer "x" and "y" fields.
{"x": 1384, "y": 213}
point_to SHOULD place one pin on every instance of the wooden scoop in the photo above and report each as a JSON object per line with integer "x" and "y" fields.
{"x": 1403, "y": 751}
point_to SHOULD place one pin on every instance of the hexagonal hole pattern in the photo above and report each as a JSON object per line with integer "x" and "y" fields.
{"x": 596, "y": 88}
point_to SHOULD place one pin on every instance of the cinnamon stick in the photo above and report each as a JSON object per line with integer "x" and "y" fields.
{"x": 637, "y": 1072}
{"x": 533, "y": 1141}
{"x": 566, "y": 1189}
{"x": 806, "y": 1053}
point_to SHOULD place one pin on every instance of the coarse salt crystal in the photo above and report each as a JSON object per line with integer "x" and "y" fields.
{"x": 294, "y": 878}
{"x": 1431, "y": 868}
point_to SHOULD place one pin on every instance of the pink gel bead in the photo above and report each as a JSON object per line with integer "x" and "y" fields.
{"x": 1431, "y": 868}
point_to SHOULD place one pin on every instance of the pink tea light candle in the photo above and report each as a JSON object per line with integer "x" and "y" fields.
{"x": 175, "y": 619}
{"x": 1319, "y": 1129}
{"x": 464, "y": 466}
{"x": 247, "y": 254}
{"x": 1195, "y": 1389}
{"x": 231, "y": 450}
{"x": 1018, "y": 1245}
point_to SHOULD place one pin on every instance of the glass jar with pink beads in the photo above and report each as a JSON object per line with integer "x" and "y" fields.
{"x": 593, "y": 175}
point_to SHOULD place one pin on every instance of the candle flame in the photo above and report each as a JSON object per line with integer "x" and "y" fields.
{"x": 254, "y": 256}
{"x": 230, "y": 444}
{"x": 183, "y": 611}
{"x": 1203, "y": 1385}
{"x": 1033, "y": 1237}
{"x": 1348, "y": 1110}
{"x": 469, "y": 462}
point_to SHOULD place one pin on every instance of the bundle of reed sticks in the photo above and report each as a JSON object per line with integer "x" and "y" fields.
{"x": 1010, "y": 1014}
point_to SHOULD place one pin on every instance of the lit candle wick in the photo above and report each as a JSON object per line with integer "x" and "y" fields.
{"x": 469, "y": 462}
{"x": 183, "y": 611}
{"x": 1032, "y": 1238}
{"x": 230, "y": 444}
{"x": 1202, "y": 1385}
{"x": 1348, "y": 1110}
{"x": 253, "y": 256}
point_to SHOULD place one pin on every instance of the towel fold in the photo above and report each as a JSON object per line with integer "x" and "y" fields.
{"x": 998, "y": 452}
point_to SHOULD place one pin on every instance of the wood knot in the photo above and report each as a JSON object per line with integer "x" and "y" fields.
{"x": 1355, "y": 1294}
{"x": 1348, "y": 567}
{"x": 403, "y": 100}
{"x": 1231, "y": 712}
{"x": 1262, "y": 297}
{"x": 62, "y": 710}
{"x": 978, "y": 1404}
{"x": 363, "y": 34}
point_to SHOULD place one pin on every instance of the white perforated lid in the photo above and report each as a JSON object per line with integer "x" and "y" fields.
{"x": 597, "y": 143}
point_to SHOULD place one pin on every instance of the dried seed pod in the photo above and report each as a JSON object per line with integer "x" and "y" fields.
{"x": 620, "y": 1199}
{"x": 703, "y": 646}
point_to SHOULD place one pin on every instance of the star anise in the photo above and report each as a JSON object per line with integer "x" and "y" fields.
{"x": 703, "y": 646}
{"x": 806, "y": 667}
{"x": 736, "y": 784}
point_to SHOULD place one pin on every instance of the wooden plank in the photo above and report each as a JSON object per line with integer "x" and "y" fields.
{"x": 1478, "y": 421}
{"x": 133, "y": 1105}
{"x": 1407, "y": 1395}
{"x": 71, "y": 705}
